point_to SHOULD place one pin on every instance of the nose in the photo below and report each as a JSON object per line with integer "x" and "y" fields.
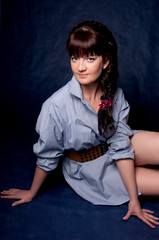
{"x": 81, "y": 65}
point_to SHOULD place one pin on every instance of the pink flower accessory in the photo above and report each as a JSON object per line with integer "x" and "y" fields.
{"x": 106, "y": 103}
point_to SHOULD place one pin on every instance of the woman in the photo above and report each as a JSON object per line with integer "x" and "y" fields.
{"x": 86, "y": 123}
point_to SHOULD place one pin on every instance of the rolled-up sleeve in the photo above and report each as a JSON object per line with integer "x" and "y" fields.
{"x": 119, "y": 142}
{"x": 49, "y": 147}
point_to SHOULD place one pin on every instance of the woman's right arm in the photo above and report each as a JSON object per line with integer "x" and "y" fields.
{"x": 25, "y": 196}
{"x": 48, "y": 149}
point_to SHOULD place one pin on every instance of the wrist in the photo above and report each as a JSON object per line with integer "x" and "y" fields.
{"x": 134, "y": 201}
{"x": 32, "y": 193}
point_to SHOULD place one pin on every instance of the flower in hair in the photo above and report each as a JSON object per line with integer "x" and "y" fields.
{"x": 106, "y": 103}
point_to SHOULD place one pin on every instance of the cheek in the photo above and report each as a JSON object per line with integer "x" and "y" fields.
{"x": 72, "y": 67}
{"x": 98, "y": 70}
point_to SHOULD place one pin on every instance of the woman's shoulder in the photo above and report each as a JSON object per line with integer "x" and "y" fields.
{"x": 119, "y": 91}
{"x": 119, "y": 98}
{"x": 118, "y": 94}
{"x": 59, "y": 97}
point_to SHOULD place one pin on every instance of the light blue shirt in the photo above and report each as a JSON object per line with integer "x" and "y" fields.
{"x": 68, "y": 122}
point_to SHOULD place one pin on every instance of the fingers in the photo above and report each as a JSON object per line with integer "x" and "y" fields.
{"x": 23, "y": 196}
{"x": 10, "y": 191}
{"x": 150, "y": 218}
{"x": 10, "y": 194}
{"x": 147, "y": 221}
{"x": 9, "y": 197}
{"x": 146, "y": 216}
{"x": 17, "y": 203}
{"x": 127, "y": 216}
{"x": 147, "y": 210}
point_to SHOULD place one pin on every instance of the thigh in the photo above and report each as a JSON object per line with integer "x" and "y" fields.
{"x": 147, "y": 181}
{"x": 146, "y": 146}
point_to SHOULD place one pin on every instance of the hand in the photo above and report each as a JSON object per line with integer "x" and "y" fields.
{"x": 143, "y": 214}
{"x": 23, "y": 196}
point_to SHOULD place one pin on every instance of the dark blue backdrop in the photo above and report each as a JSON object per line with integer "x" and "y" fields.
{"x": 33, "y": 65}
{"x": 34, "y": 62}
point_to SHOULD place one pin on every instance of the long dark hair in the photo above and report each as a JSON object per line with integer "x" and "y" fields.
{"x": 93, "y": 38}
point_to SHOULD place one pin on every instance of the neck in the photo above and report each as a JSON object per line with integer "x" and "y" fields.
{"x": 91, "y": 92}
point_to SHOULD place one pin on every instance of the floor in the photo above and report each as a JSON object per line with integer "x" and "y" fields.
{"x": 57, "y": 212}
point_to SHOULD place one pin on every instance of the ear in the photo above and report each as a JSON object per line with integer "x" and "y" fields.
{"x": 106, "y": 63}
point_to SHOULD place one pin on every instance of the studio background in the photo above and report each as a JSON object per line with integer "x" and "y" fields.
{"x": 34, "y": 62}
{"x": 33, "y": 65}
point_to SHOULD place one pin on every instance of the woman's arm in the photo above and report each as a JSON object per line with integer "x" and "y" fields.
{"x": 25, "y": 196}
{"x": 127, "y": 172}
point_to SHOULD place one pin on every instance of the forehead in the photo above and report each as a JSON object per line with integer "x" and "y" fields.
{"x": 82, "y": 52}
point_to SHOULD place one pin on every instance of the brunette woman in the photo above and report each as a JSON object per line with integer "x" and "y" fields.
{"x": 86, "y": 123}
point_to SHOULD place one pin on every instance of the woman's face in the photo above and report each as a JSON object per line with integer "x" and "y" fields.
{"x": 87, "y": 70}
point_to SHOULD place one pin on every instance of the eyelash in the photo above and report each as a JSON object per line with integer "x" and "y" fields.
{"x": 74, "y": 59}
{"x": 89, "y": 59}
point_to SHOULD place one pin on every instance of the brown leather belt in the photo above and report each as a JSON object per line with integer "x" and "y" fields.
{"x": 88, "y": 154}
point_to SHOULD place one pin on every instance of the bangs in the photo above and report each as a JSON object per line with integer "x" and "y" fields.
{"x": 83, "y": 43}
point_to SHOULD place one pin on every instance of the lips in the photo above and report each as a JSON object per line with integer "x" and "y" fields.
{"x": 82, "y": 75}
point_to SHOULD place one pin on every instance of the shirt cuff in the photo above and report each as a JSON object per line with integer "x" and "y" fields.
{"x": 47, "y": 164}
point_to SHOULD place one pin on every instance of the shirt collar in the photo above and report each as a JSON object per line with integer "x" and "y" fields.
{"x": 75, "y": 88}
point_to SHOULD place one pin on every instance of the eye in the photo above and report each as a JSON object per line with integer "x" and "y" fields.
{"x": 74, "y": 59}
{"x": 91, "y": 59}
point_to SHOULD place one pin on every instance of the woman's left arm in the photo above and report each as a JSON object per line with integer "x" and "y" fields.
{"x": 127, "y": 172}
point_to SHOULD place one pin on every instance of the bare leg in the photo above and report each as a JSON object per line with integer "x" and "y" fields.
{"x": 148, "y": 181}
{"x": 146, "y": 145}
